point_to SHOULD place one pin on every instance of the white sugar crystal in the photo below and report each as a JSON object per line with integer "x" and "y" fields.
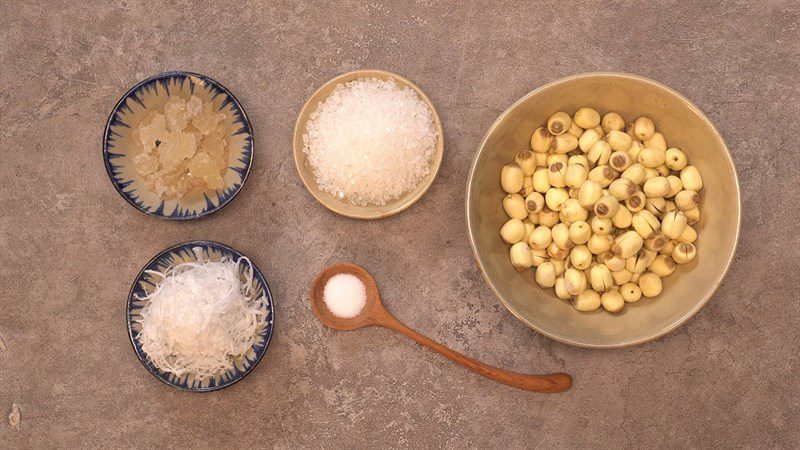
{"x": 370, "y": 141}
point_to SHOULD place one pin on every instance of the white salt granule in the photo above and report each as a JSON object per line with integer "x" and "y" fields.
{"x": 345, "y": 295}
{"x": 370, "y": 141}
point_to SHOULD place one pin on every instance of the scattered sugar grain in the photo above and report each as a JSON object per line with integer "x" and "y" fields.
{"x": 14, "y": 417}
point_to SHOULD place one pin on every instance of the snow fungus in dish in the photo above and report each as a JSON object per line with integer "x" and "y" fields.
{"x": 200, "y": 316}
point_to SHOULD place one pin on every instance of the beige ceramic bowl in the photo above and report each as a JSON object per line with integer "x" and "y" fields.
{"x": 686, "y": 290}
{"x": 343, "y": 207}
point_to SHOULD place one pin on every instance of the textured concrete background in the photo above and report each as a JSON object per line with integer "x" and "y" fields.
{"x": 70, "y": 246}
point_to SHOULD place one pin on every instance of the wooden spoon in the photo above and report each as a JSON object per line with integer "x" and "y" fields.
{"x": 374, "y": 313}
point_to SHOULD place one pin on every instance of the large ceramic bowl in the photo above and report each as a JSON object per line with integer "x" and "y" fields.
{"x": 146, "y": 282}
{"x": 151, "y": 94}
{"x": 344, "y": 207}
{"x": 686, "y": 290}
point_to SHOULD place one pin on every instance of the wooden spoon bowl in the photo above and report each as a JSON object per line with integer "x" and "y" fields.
{"x": 365, "y": 318}
{"x": 375, "y": 313}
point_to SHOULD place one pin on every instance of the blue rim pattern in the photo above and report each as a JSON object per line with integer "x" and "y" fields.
{"x": 136, "y": 95}
{"x": 161, "y": 262}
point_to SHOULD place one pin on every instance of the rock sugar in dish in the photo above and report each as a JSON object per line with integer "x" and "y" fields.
{"x": 201, "y": 317}
{"x": 345, "y": 295}
{"x": 180, "y": 147}
{"x": 370, "y": 141}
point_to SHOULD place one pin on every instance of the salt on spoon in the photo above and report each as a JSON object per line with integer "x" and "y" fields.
{"x": 335, "y": 292}
{"x": 345, "y": 295}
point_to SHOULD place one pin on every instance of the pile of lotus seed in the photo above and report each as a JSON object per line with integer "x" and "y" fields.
{"x": 601, "y": 208}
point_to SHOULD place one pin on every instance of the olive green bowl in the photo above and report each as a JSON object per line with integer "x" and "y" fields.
{"x": 686, "y": 290}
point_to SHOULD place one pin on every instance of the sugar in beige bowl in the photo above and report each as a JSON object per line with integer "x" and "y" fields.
{"x": 341, "y": 206}
{"x": 686, "y": 290}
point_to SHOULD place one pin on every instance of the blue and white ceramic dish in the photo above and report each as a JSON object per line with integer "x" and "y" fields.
{"x": 146, "y": 282}
{"x": 153, "y": 93}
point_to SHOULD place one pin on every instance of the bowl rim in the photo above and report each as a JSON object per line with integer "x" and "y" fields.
{"x": 159, "y": 76}
{"x": 141, "y": 356}
{"x": 676, "y": 323}
{"x": 298, "y": 151}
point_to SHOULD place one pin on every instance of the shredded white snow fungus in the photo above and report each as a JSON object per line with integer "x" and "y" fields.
{"x": 370, "y": 141}
{"x": 201, "y": 316}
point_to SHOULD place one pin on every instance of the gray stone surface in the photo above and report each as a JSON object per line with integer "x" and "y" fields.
{"x": 70, "y": 246}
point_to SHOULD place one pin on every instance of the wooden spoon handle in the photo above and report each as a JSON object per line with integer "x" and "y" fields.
{"x": 556, "y": 382}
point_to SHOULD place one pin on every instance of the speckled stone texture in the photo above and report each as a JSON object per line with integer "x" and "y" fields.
{"x": 70, "y": 246}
